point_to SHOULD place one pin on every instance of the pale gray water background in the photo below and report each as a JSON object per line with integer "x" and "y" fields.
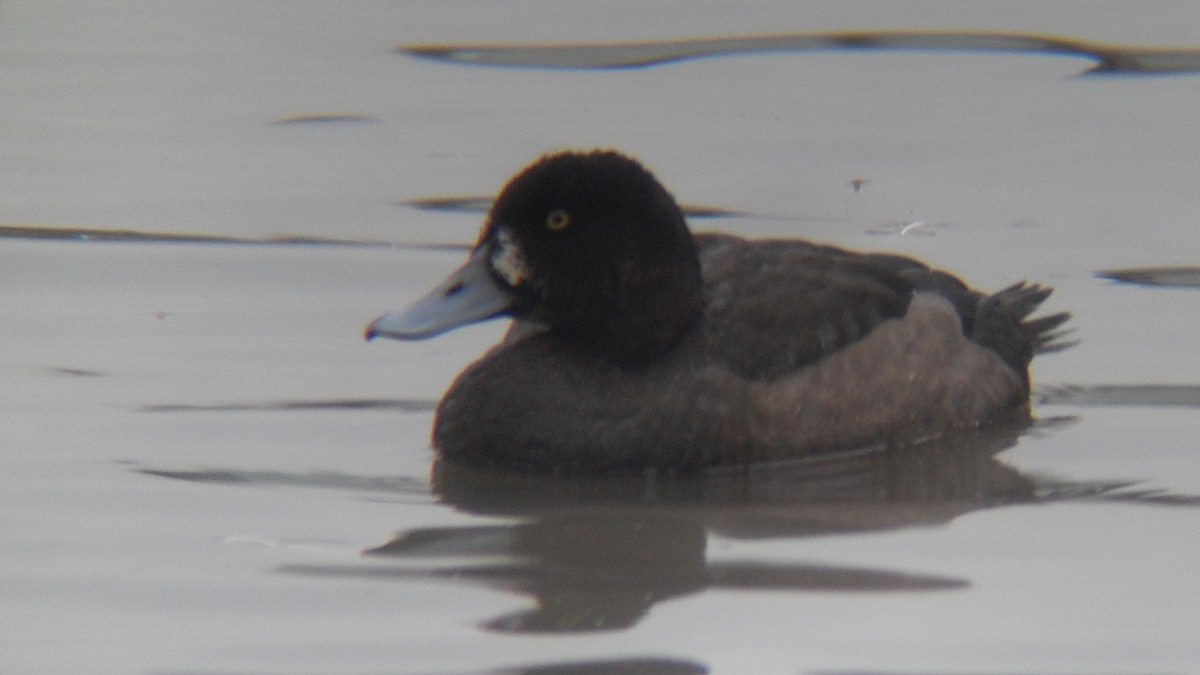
{"x": 197, "y": 446}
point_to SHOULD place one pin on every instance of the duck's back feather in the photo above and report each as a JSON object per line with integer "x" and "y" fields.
{"x": 771, "y": 307}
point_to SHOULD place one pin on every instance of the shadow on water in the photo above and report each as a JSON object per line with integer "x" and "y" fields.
{"x": 597, "y": 553}
{"x": 1108, "y": 59}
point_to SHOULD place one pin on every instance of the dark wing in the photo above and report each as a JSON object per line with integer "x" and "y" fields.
{"x": 774, "y": 306}
{"x": 777, "y": 305}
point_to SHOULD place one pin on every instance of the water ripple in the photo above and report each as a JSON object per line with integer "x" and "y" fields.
{"x": 1181, "y": 276}
{"x": 1108, "y": 58}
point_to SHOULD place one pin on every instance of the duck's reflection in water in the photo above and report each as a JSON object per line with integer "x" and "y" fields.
{"x": 597, "y": 553}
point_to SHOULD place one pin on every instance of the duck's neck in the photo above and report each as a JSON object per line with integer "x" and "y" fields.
{"x": 651, "y": 308}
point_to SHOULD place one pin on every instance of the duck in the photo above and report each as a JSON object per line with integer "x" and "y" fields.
{"x": 638, "y": 345}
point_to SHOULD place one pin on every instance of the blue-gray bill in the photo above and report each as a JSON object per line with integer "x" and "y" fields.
{"x": 470, "y": 294}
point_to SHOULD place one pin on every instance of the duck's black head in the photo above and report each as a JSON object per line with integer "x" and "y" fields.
{"x": 590, "y": 245}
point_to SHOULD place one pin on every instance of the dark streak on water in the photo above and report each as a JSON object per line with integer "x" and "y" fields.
{"x": 101, "y": 234}
{"x": 630, "y": 666}
{"x": 398, "y": 485}
{"x": 90, "y": 234}
{"x": 329, "y": 118}
{"x": 401, "y": 404}
{"x": 1109, "y": 59}
{"x": 1182, "y": 395}
{"x": 1182, "y": 276}
{"x": 77, "y": 372}
{"x": 462, "y": 203}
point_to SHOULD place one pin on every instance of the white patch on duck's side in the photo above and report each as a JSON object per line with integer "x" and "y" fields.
{"x": 507, "y": 259}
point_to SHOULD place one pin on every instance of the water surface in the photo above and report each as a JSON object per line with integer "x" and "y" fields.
{"x": 205, "y": 469}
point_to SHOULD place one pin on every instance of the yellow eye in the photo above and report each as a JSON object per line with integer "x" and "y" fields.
{"x": 558, "y": 220}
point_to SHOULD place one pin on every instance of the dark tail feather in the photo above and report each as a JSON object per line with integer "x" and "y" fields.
{"x": 1047, "y": 340}
{"x": 1002, "y": 324}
